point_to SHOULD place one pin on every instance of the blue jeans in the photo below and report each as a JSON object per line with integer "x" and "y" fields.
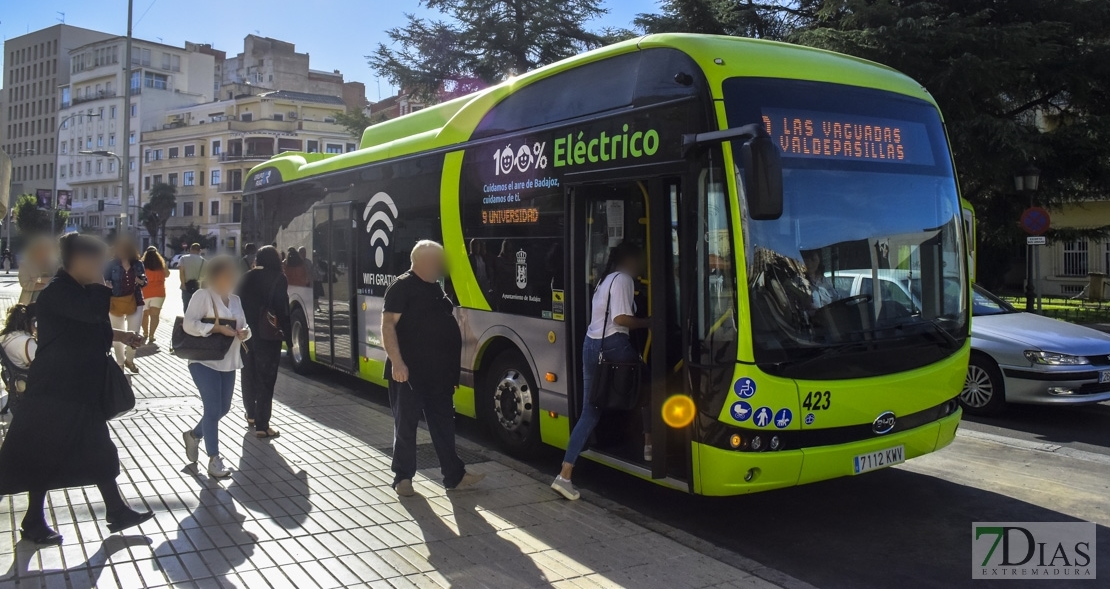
{"x": 617, "y": 348}
{"x": 216, "y": 389}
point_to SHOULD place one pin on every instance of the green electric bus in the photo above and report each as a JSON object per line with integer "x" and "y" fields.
{"x": 756, "y": 176}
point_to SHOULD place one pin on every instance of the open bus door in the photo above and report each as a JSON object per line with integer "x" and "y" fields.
{"x": 969, "y": 235}
{"x": 643, "y": 212}
{"x": 333, "y": 290}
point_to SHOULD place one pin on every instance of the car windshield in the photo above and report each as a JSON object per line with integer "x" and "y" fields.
{"x": 868, "y": 250}
{"x": 983, "y": 303}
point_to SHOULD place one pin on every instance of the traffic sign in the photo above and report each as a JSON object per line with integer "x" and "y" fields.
{"x": 1035, "y": 221}
{"x": 1035, "y": 240}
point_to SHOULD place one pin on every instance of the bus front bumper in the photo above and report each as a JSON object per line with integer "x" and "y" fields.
{"x": 722, "y": 472}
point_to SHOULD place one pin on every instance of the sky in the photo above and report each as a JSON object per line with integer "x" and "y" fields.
{"x": 336, "y": 34}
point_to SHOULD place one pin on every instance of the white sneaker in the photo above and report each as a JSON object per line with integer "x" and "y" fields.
{"x": 192, "y": 446}
{"x": 565, "y": 488}
{"x": 216, "y": 468}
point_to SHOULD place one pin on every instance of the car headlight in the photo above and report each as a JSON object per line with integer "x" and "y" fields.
{"x": 1054, "y": 358}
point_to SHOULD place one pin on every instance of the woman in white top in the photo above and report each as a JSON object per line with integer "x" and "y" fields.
{"x": 215, "y": 379}
{"x": 613, "y": 315}
{"x": 18, "y": 336}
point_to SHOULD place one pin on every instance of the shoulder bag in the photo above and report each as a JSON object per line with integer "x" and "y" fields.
{"x": 118, "y": 396}
{"x": 268, "y": 327}
{"x": 192, "y": 347}
{"x": 616, "y": 385}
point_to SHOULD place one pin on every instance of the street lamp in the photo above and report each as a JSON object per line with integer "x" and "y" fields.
{"x": 1028, "y": 180}
{"x": 58, "y": 141}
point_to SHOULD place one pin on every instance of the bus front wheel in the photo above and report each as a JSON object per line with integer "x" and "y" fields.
{"x": 509, "y": 404}
{"x": 302, "y": 363}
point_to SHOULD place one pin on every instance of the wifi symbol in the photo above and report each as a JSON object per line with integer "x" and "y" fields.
{"x": 379, "y": 224}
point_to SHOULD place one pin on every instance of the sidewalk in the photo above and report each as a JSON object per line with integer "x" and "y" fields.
{"x": 314, "y": 508}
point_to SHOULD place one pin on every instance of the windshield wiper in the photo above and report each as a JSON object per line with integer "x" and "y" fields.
{"x": 944, "y": 333}
{"x": 828, "y": 351}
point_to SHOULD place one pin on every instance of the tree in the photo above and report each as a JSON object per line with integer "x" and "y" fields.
{"x": 31, "y": 220}
{"x": 190, "y": 235}
{"x": 483, "y": 42}
{"x": 1017, "y": 80}
{"x": 771, "y": 19}
{"x": 357, "y": 121}
{"x": 158, "y": 210}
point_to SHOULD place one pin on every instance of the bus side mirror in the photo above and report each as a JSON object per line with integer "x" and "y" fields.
{"x": 762, "y": 178}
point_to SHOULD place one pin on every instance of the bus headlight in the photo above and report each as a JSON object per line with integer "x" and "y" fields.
{"x": 775, "y": 443}
{"x": 757, "y": 443}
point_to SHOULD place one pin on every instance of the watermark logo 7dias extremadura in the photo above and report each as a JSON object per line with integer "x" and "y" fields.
{"x": 1033, "y": 550}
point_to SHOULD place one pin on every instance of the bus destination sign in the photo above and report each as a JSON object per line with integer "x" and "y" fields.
{"x": 811, "y": 134}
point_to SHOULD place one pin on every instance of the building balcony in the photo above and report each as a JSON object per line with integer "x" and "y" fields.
{"x": 263, "y": 125}
{"x": 90, "y": 97}
{"x": 231, "y": 186}
{"x": 227, "y": 219}
{"x": 246, "y": 156}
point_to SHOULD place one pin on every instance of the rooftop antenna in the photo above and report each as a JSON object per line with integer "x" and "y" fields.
{"x": 257, "y": 32}
{"x": 63, "y": 19}
{"x": 379, "y": 80}
{"x": 159, "y": 40}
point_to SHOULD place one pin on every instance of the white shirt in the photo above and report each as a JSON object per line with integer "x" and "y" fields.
{"x": 201, "y": 307}
{"x": 20, "y": 348}
{"x": 621, "y": 302}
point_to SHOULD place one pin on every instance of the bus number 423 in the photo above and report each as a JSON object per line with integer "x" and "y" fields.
{"x": 818, "y": 401}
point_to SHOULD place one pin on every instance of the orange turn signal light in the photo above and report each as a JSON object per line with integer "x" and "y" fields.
{"x": 550, "y": 377}
{"x": 678, "y": 411}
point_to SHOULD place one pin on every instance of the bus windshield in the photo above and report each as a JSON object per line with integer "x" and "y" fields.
{"x": 866, "y": 260}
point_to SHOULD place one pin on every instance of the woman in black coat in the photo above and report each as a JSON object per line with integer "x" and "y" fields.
{"x": 264, "y": 288}
{"x": 60, "y": 438}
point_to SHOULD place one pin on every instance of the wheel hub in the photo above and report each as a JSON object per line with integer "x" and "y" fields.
{"x": 978, "y": 388}
{"x": 297, "y": 350}
{"x": 512, "y": 401}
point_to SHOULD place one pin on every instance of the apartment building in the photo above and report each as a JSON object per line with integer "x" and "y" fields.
{"x": 35, "y": 66}
{"x": 271, "y": 64}
{"x": 206, "y": 151}
{"x": 92, "y": 111}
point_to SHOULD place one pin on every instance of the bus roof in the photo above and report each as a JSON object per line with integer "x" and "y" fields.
{"x": 453, "y": 122}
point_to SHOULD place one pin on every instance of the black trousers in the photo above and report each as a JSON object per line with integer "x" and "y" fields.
{"x": 260, "y": 369}
{"x": 437, "y": 406}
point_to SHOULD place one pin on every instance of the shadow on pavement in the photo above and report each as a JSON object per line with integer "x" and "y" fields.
{"x": 1085, "y": 424}
{"x": 215, "y": 518}
{"x": 454, "y": 555}
{"x": 268, "y": 484}
{"x": 82, "y": 576}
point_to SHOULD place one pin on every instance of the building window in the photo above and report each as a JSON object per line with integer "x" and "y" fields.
{"x": 111, "y": 139}
{"x": 131, "y": 138}
{"x": 99, "y": 166}
{"x": 333, "y": 148}
{"x": 350, "y": 147}
{"x": 313, "y": 146}
{"x": 215, "y": 177}
{"x": 100, "y": 141}
{"x": 112, "y": 112}
{"x": 64, "y": 151}
{"x": 131, "y": 164}
{"x": 246, "y": 117}
{"x": 173, "y": 179}
{"x": 173, "y": 152}
{"x": 188, "y": 178}
{"x": 216, "y": 148}
{"x": 140, "y": 56}
{"x": 88, "y": 167}
{"x": 146, "y": 182}
{"x": 156, "y": 81}
{"x": 88, "y": 142}
{"x": 215, "y": 208}
{"x": 134, "y": 110}
{"x": 186, "y": 209}
{"x": 1075, "y": 258}
{"x": 157, "y": 179}
{"x": 111, "y": 165}
{"x": 190, "y": 151}
{"x": 279, "y": 117}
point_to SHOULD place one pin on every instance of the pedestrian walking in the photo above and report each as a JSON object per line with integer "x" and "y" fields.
{"x": 264, "y": 293}
{"x": 424, "y": 348}
{"x": 37, "y": 268}
{"x": 215, "y": 379}
{"x": 246, "y": 263}
{"x": 60, "y": 437}
{"x": 612, "y": 316}
{"x": 7, "y": 260}
{"x": 154, "y": 293}
{"x": 189, "y": 268}
{"x": 296, "y": 272}
{"x": 126, "y": 276}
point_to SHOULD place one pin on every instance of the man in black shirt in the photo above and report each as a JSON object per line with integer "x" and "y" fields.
{"x": 423, "y": 344}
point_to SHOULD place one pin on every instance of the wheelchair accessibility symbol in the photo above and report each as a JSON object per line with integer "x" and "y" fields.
{"x": 745, "y": 388}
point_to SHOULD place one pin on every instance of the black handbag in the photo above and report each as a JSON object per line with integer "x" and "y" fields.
{"x": 616, "y": 385}
{"x": 192, "y": 347}
{"x": 119, "y": 397}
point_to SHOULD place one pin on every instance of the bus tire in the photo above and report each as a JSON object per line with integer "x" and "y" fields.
{"x": 508, "y": 403}
{"x": 984, "y": 391}
{"x": 298, "y": 353}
